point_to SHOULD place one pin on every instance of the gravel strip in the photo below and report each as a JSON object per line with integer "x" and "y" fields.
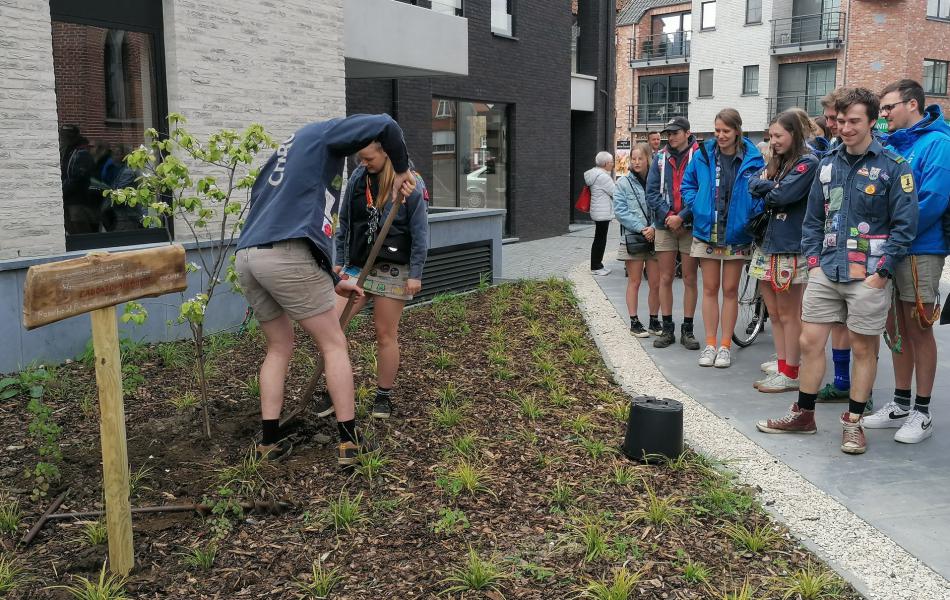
{"x": 876, "y": 565}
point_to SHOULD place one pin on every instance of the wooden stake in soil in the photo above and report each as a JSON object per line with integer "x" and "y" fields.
{"x": 95, "y": 284}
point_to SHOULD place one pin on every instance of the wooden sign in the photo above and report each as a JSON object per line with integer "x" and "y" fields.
{"x": 95, "y": 284}
{"x": 56, "y": 291}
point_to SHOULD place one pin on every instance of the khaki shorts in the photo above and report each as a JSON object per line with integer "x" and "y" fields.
{"x": 788, "y": 266}
{"x": 385, "y": 279}
{"x": 929, "y": 270}
{"x": 622, "y": 254}
{"x": 667, "y": 241}
{"x": 701, "y": 249}
{"x": 285, "y": 278}
{"x": 862, "y": 308}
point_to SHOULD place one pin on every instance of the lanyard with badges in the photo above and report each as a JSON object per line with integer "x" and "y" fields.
{"x": 715, "y": 223}
{"x": 373, "y": 220}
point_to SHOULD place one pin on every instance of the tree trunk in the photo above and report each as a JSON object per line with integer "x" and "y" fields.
{"x": 198, "y": 331}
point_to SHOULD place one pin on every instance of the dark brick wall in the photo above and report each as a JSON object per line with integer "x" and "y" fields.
{"x": 532, "y": 75}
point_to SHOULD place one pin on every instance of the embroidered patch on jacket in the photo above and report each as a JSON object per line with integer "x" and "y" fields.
{"x": 907, "y": 183}
{"x": 812, "y": 261}
{"x": 802, "y": 168}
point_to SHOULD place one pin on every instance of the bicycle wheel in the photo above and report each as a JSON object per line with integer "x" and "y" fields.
{"x": 752, "y": 315}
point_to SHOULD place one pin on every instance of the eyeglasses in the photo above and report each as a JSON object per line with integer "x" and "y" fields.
{"x": 890, "y": 107}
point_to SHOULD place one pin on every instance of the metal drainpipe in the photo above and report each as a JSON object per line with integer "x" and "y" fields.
{"x": 847, "y": 45}
{"x": 607, "y": 70}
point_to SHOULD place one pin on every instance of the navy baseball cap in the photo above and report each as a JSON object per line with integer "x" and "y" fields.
{"x": 677, "y": 124}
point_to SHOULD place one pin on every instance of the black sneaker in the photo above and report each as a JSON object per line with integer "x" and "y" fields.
{"x": 687, "y": 338}
{"x": 382, "y": 407}
{"x": 324, "y": 405}
{"x": 638, "y": 330}
{"x": 666, "y": 338}
{"x": 655, "y": 328}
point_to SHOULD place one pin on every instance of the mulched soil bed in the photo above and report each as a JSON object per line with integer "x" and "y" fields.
{"x": 544, "y": 420}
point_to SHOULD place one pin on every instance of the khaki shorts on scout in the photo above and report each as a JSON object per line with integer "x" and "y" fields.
{"x": 862, "y": 308}
{"x": 701, "y": 249}
{"x": 790, "y": 268}
{"x": 667, "y": 241}
{"x": 385, "y": 279}
{"x": 284, "y": 278}
{"x": 929, "y": 270}
{"x": 622, "y": 254}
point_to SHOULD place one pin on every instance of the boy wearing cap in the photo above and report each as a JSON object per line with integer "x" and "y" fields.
{"x": 673, "y": 234}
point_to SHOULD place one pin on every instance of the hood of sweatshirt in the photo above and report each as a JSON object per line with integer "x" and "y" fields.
{"x": 903, "y": 139}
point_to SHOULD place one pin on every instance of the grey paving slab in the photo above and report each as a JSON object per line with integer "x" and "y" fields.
{"x": 540, "y": 259}
{"x": 903, "y": 490}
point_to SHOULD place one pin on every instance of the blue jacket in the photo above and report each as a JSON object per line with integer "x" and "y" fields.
{"x": 411, "y": 221}
{"x": 862, "y": 218}
{"x": 787, "y": 199}
{"x": 821, "y": 146}
{"x": 630, "y": 203}
{"x": 660, "y": 201}
{"x": 699, "y": 183}
{"x": 926, "y": 147}
{"x": 297, "y": 193}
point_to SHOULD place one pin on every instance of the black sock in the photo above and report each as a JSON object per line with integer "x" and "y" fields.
{"x": 922, "y": 404}
{"x": 634, "y": 319}
{"x": 806, "y": 401}
{"x": 270, "y": 431}
{"x": 855, "y": 407}
{"x": 347, "y": 430}
{"x": 654, "y": 318}
{"x": 902, "y": 398}
{"x": 668, "y": 319}
{"x": 384, "y": 393}
{"x": 688, "y": 321}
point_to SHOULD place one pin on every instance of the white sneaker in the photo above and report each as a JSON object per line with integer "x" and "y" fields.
{"x": 917, "y": 428}
{"x": 723, "y": 358}
{"x": 707, "y": 357}
{"x": 770, "y": 367}
{"x": 777, "y": 384}
{"x": 602, "y": 272}
{"x": 892, "y": 415}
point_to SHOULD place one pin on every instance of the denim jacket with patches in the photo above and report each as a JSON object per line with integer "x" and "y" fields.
{"x": 786, "y": 199}
{"x": 862, "y": 218}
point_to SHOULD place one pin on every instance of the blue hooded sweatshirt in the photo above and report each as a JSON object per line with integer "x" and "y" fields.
{"x": 926, "y": 147}
{"x": 699, "y": 186}
{"x": 297, "y": 193}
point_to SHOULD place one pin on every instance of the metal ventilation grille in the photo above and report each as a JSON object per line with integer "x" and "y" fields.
{"x": 455, "y": 269}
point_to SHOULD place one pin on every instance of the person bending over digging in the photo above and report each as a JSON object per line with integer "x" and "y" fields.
{"x": 396, "y": 276}
{"x": 283, "y": 260}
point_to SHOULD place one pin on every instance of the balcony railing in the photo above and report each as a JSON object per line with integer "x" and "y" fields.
{"x": 810, "y": 103}
{"x": 660, "y": 48}
{"x": 644, "y": 115}
{"x": 808, "y": 33}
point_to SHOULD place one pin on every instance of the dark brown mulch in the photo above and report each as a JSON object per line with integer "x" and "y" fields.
{"x": 395, "y": 552}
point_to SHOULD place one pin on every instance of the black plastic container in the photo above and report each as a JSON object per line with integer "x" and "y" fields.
{"x": 654, "y": 427}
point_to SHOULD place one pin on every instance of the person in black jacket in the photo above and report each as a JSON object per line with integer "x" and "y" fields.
{"x": 396, "y": 275}
{"x": 777, "y": 261}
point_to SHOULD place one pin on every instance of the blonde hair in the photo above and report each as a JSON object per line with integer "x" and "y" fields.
{"x": 647, "y": 152}
{"x": 386, "y": 178}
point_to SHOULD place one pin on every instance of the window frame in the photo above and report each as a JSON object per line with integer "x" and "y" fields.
{"x": 937, "y": 17}
{"x": 699, "y": 83}
{"x": 510, "y": 11}
{"x": 946, "y": 73}
{"x": 702, "y": 15}
{"x": 747, "y": 6}
{"x": 130, "y": 15}
{"x": 745, "y": 80}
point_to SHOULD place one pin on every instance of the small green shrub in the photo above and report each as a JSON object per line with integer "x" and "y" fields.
{"x": 345, "y": 512}
{"x": 107, "y": 587}
{"x": 200, "y": 559}
{"x": 450, "y": 521}
{"x": 477, "y": 574}
{"x": 321, "y": 582}
{"x": 618, "y": 587}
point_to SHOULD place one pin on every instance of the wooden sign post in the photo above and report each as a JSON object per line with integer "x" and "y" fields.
{"x": 95, "y": 284}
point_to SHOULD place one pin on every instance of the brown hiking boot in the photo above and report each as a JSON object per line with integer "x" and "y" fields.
{"x": 852, "y": 436}
{"x": 348, "y": 451}
{"x": 796, "y": 421}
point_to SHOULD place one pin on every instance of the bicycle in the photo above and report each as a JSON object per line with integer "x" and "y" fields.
{"x": 752, "y": 311}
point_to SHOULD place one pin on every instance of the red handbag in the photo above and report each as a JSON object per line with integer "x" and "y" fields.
{"x": 583, "y": 200}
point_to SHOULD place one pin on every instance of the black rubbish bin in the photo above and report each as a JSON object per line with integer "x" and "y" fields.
{"x": 654, "y": 427}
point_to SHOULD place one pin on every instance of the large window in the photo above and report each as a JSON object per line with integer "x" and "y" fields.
{"x": 469, "y": 154}
{"x": 662, "y": 97}
{"x": 707, "y": 18}
{"x": 705, "y": 83}
{"x": 670, "y": 35}
{"x": 935, "y": 77}
{"x": 448, "y": 7}
{"x": 938, "y": 9}
{"x": 107, "y": 70}
{"x": 804, "y": 85}
{"x": 753, "y": 12}
{"x": 501, "y": 17}
{"x": 750, "y": 80}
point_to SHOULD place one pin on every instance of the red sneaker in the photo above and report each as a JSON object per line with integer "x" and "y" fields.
{"x": 796, "y": 421}
{"x": 852, "y": 436}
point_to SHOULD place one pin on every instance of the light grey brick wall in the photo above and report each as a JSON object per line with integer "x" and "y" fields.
{"x": 226, "y": 65}
{"x": 31, "y": 206}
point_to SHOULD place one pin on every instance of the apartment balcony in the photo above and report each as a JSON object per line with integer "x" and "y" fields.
{"x": 645, "y": 117}
{"x": 660, "y": 49}
{"x": 810, "y": 103}
{"x": 394, "y": 39}
{"x": 808, "y": 33}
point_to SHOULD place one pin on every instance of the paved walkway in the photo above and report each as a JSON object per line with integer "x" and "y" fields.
{"x": 903, "y": 490}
